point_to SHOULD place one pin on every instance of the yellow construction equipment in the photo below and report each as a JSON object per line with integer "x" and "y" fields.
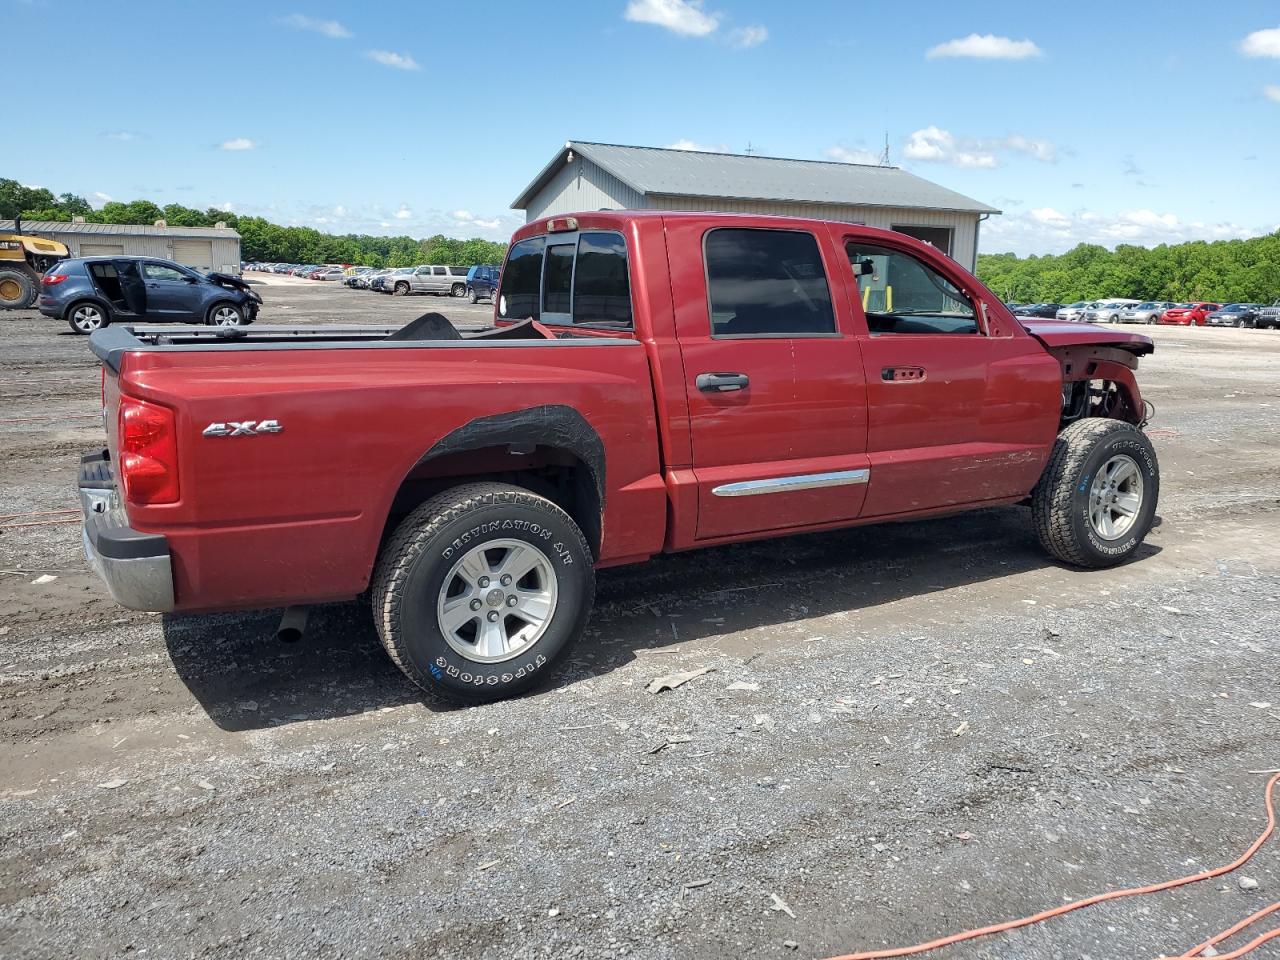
{"x": 23, "y": 259}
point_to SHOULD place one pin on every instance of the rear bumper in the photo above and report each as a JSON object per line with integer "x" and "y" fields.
{"x": 135, "y": 566}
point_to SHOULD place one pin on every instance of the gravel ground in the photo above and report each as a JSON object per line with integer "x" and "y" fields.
{"x": 907, "y": 729}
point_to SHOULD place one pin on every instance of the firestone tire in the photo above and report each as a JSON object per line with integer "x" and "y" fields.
{"x": 435, "y": 550}
{"x": 1077, "y": 498}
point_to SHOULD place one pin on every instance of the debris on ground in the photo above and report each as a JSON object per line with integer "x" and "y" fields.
{"x": 673, "y": 680}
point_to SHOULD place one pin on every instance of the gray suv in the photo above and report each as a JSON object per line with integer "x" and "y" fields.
{"x": 432, "y": 279}
{"x": 91, "y": 292}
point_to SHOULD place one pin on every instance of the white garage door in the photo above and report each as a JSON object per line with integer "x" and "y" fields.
{"x": 194, "y": 253}
{"x": 101, "y": 249}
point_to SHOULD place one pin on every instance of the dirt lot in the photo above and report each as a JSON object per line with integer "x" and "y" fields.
{"x": 941, "y": 729}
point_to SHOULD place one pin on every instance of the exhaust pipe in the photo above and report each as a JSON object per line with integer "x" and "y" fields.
{"x": 293, "y": 624}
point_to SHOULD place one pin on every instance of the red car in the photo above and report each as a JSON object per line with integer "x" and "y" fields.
{"x": 653, "y": 382}
{"x": 1189, "y": 314}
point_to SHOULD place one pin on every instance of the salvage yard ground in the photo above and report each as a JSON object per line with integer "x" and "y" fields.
{"x": 907, "y": 729}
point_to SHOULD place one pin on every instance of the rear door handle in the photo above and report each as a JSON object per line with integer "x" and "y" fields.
{"x": 721, "y": 382}
{"x": 902, "y": 374}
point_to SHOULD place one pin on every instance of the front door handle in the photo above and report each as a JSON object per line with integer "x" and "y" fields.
{"x": 902, "y": 374}
{"x": 721, "y": 382}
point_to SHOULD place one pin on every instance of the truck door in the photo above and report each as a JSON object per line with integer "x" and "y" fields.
{"x": 961, "y": 408}
{"x": 773, "y": 376}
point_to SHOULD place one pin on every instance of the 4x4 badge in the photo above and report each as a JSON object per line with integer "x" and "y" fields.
{"x": 245, "y": 428}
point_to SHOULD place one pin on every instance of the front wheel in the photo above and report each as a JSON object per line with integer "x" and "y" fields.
{"x": 473, "y": 297}
{"x": 1096, "y": 500}
{"x": 482, "y": 590}
{"x": 226, "y": 315}
{"x": 400, "y": 290}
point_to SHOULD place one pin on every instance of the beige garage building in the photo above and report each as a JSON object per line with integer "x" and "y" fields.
{"x": 203, "y": 248}
{"x": 594, "y": 176}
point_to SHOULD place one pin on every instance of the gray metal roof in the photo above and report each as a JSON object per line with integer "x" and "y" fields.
{"x": 122, "y": 229}
{"x": 733, "y": 176}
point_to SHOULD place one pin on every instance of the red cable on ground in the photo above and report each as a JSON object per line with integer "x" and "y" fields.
{"x": 1111, "y": 895}
{"x": 37, "y": 523}
{"x": 5, "y": 517}
{"x": 71, "y": 416}
{"x": 1231, "y": 932}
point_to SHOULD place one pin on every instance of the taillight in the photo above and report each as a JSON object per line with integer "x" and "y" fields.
{"x": 52, "y": 279}
{"x": 148, "y": 452}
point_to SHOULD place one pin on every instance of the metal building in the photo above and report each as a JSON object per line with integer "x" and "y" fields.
{"x": 203, "y": 248}
{"x": 594, "y": 176}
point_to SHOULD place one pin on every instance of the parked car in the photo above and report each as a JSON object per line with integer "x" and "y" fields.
{"x": 1189, "y": 314}
{"x": 1268, "y": 317}
{"x": 91, "y": 292}
{"x": 1233, "y": 315}
{"x": 1102, "y": 312}
{"x": 386, "y": 282}
{"x": 331, "y": 273}
{"x": 482, "y": 282}
{"x": 431, "y": 279}
{"x": 1045, "y": 311}
{"x": 1073, "y": 312}
{"x": 471, "y": 483}
{"x": 364, "y": 281}
{"x": 1148, "y": 311}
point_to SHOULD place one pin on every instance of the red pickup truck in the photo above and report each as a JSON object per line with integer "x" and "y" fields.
{"x": 652, "y": 382}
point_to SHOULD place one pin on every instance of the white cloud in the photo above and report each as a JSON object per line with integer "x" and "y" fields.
{"x": 939, "y": 146}
{"x": 101, "y": 197}
{"x": 749, "y": 36}
{"x": 1050, "y": 216}
{"x": 227, "y": 207}
{"x": 934, "y": 145}
{"x": 401, "y": 61}
{"x": 684, "y": 17}
{"x": 467, "y": 217}
{"x": 985, "y": 47}
{"x": 237, "y": 143}
{"x": 1262, "y": 43}
{"x": 404, "y": 213}
{"x": 686, "y": 144}
{"x": 1041, "y": 150}
{"x": 339, "y": 211}
{"x": 1046, "y": 230}
{"x": 852, "y": 155}
{"x": 330, "y": 28}
{"x": 1271, "y": 92}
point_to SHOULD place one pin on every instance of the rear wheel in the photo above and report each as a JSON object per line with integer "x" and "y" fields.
{"x": 18, "y": 289}
{"x": 458, "y": 290}
{"x": 1096, "y": 499}
{"x": 482, "y": 590}
{"x": 87, "y": 317}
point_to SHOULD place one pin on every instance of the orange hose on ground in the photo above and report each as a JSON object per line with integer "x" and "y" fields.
{"x": 1230, "y": 931}
{"x": 1099, "y": 898}
{"x": 1251, "y": 945}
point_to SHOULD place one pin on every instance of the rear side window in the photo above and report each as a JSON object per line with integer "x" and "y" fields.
{"x": 767, "y": 283}
{"x": 567, "y": 279}
{"x": 522, "y": 281}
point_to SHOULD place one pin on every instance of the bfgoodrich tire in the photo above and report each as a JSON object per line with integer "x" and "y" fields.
{"x": 481, "y": 591}
{"x": 1095, "y": 501}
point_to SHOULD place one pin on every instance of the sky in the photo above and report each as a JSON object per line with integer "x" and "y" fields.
{"x": 1101, "y": 122}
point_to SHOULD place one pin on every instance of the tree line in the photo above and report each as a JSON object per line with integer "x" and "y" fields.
{"x": 1224, "y": 271}
{"x": 260, "y": 239}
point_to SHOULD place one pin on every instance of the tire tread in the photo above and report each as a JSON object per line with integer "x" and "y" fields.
{"x": 1051, "y": 508}
{"x": 409, "y": 539}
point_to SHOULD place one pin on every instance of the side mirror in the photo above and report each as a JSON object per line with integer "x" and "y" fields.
{"x": 866, "y": 268}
